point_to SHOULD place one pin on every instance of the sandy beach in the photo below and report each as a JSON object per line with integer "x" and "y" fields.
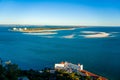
{"x": 32, "y": 30}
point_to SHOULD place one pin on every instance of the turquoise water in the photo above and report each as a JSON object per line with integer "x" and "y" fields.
{"x": 98, "y": 55}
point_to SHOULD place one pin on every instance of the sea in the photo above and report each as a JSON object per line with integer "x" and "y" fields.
{"x": 99, "y": 55}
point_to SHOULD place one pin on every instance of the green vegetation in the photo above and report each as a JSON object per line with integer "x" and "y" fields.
{"x": 11, "y": 71}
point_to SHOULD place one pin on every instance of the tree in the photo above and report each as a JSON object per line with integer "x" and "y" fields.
{"x": 12, "y": 71}
{"x": 2, "y": 73}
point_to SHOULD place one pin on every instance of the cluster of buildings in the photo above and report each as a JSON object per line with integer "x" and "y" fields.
{"x": 69, "y": 67}
{"x": 19, "y": 29}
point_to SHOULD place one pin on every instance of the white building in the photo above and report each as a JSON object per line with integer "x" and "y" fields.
{"x": 66, "y": 65}
{"x": 59, "y": 66}
{"x": 14, "y": 29}
{"x": 25, "y": 28}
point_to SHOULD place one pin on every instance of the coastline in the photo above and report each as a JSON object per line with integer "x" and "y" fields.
{"x": 69, "y": 71}
{"x": 38, "y": 30}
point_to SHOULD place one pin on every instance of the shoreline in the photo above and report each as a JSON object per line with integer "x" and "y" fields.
{"x": 38, "y": 30}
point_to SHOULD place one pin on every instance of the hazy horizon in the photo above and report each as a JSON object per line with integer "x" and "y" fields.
{"x": 60, "y": 25}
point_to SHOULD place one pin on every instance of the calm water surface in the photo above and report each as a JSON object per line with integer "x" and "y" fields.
{"x": 98, "y": 55}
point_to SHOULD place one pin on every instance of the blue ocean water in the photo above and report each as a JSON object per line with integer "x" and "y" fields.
{"x": 36, "y": 51}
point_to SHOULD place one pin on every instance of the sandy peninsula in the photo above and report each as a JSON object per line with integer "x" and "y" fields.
{"x": 35, "y": 30}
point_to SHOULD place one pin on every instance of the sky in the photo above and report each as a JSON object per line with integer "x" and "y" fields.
{"x": 60, "y": 12}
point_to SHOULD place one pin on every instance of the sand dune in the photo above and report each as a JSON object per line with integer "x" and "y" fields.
{"x": 94, "y": 34}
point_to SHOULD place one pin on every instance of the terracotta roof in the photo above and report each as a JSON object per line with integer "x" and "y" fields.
{"x": 91, "y": 74}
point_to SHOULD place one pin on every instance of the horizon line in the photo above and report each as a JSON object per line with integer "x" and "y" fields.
{"x": 60, "y": 25}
